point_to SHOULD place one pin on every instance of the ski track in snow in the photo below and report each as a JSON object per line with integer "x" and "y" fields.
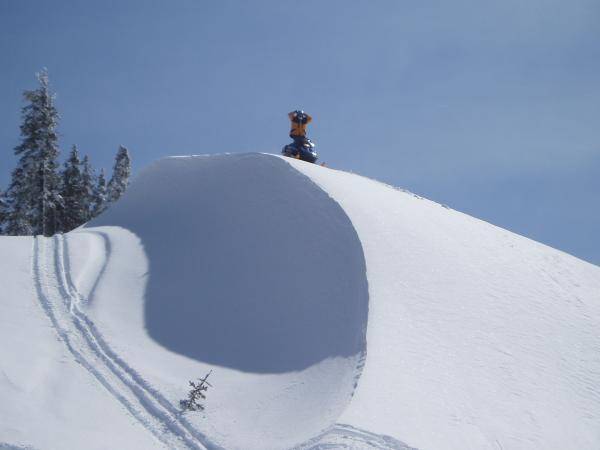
{"x": 5, "y": 446}
{"x": 106, "y": 257}
{"x": 60, "y": 301}
{"x": 141, "y": 384}
{"x": 342, "y": 436}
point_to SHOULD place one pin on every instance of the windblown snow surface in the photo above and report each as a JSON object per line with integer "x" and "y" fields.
{"x": 333, "y": 311}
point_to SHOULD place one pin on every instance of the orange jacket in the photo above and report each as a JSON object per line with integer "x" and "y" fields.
{"x": 298, "y": 128}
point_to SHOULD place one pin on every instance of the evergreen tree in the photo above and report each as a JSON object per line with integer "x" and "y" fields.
{"x": 75, "y": 211}
{"x": 196, "y": 394}
{"x": 120, "y": 178}
{"x": 3, "y": 211}
{"x": 18, "y": 221}
{"x": 33, "y": 195}
{"x": 88, "y": 179}
{"x": 100, "y": 200}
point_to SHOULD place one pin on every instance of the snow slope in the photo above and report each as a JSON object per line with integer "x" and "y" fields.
{"x": 334, "y": 312}
{"x": 485, "y": 338}
{"x": 48, "y": 401}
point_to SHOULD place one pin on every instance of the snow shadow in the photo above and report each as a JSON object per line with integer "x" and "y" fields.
{"x": 252, "y": 265}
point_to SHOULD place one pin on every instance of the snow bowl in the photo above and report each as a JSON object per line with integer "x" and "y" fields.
{"x": 241, "y": 265}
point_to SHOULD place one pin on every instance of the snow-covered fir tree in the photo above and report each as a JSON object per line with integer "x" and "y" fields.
{"x": 99, "y": 202}
{"x": 33, "y": 196}
{"x": 120, "y": 177}
{"x": 3, "y": 211}
{"x": 18, "y": 221}
{"x": 88, "y": 179}
{"x": 73, "y": 192}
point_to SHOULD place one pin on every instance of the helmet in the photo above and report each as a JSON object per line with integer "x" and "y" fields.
{"x": 300, "y": 116}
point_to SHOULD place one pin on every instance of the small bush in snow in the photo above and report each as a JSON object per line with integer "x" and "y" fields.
{"x": 196, "y": 394}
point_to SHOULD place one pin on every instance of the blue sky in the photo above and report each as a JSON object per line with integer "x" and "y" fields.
{"x": 491, "y": 107}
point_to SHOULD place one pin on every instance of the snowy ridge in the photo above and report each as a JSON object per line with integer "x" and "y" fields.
{"x": 477, "y": 338}
{"x": 334, "y": 312}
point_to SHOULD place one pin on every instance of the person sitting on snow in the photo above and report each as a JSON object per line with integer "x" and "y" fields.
{"x": 302, "y": 147}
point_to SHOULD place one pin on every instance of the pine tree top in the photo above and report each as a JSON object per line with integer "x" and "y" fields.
{"x": 39, "y": 120}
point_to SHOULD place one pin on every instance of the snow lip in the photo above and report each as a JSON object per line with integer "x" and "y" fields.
{"x": 303, "y": 301}
{"x": 302, "y": 164}
{"x": 402, "y": 190}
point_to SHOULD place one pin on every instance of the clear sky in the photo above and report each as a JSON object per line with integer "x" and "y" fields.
{"x": 491, "y": 107}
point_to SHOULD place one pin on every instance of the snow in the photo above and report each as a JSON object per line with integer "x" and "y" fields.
{"x": 478, "y": 338}
{"x": 334, "y": 312}
{"x": 48, "y": 400}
